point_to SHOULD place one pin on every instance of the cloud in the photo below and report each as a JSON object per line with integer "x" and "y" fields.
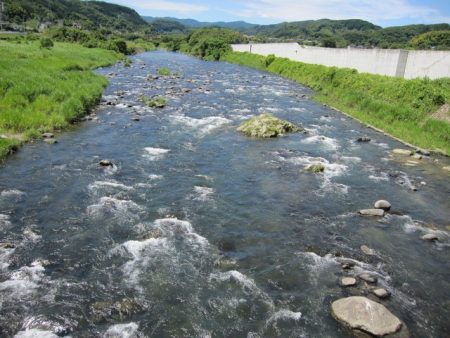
{"x": 163, "y": 5}
{"x": 372, "y": 10}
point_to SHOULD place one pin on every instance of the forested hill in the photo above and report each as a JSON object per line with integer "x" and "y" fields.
{"x": 87, "y": 14}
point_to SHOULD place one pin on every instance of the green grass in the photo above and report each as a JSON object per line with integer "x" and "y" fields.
{"x": 44, "y": 90}
{"x": 400, "y": 107}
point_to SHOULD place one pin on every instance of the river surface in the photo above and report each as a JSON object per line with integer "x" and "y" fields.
{"x": 199, "y": 231}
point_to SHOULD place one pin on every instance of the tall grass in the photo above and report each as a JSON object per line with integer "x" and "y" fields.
{"x": 400, "y": 107}
{"x": 44, "y": 90}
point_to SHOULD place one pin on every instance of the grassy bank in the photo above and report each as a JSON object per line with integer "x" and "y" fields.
{"x": 43, "y": 90}
{"x": 400, "y": 107}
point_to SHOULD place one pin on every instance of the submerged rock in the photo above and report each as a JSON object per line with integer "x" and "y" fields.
{"x": 266, "y": 126}
{"x": 348, "y": 281}
{"x": 367, "y": 277}
{"x": 363, "y": 139}
{"x": 316, "y": 168}
{"x": 372, "y": 212}
{"x": 382, "y": 204}
{"x": 361, "y": 313}
{"x": 115, "y": 311}
{"x": 50, "y": 141}
{"x": 368, "y": 251}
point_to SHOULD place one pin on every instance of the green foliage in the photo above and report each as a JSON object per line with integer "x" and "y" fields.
{"x": 87, "y": 14}
{"x": 164, "y": 71}
{"x": 127, "y": 62}
{"x": 269, "y": 59}
{"x": 329, "y": 42}
{"x": 398, "y": 106}
{"x": 212, "y": 43}
{"x": 154, "y": 102}
{"x": 434, "y": 39}
{"x": 46, "y": 43}
{"x": 44, "y": 90}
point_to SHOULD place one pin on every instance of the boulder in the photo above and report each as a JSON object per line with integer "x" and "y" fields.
{"x": 105, "y": 163}
{"x": 363, "y": 139}
{"x": 316, "y": 168}
{"x": 368, "y": 251}
{"x": 115, "y": 311}
{"x": 348, "y": 281}
{"x": 48, "y": 135}
{"x": 382, "y": 204}
{"x": 367, "y": 277}
{"x": 50, "y": 140}
{"x": 361, "y": 313}
{"x": 381, "y": 293}
{"x": 446, "y": 168}
{"x": 372, "y": 212}
{"x": 267, "y": 126}
{"x": 430, "y": 237}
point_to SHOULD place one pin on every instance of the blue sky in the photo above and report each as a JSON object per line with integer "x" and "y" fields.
{"x": 381, "y": 12}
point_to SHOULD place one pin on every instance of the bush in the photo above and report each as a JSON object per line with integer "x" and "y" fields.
{"x": 46, "y": 43}
{"x": 269, "y": 59}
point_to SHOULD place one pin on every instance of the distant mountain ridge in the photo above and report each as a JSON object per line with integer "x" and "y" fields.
{"x": 191, "y": 23}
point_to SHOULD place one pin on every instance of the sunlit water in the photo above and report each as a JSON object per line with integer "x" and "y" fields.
{"x": 208, "y": 233}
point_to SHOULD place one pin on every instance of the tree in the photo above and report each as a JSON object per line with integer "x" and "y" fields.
{"x": 329, "y": 42}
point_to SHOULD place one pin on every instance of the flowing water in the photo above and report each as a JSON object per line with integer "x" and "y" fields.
{"x": 198, "y": 231}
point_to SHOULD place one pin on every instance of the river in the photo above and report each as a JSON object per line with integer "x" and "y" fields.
{"x": 199, "y": 231}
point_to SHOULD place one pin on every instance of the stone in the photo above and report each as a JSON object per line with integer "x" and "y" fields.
{"x": 367, "y": 277}
{"x": 446, "y": 168}
{"x": 105, "y": 163}
{"x": 348, "y": 281}
{"x": 48, "y": 135}
{"x": 136, "y": 119}
{"x": 381, "y": 293}
{"x": 372, "y": 212}
{"x": 115, "y": 311}
{"x": 361, "y": 313}
{"x": 50, "y": 140}
{"x": 153, "y": 233}
{"x": 368, "y": 251}
{"x": 363, "y": 139}
{"x": 424, "y": 152}
{"x": 7, "y": 245}
{"x": 430, "y": 237}
{"x": 404, "y": 152}
{"x": 267, "y": 126}
{"x": 382, "y": 204}
{"x": 315, "y": 168}
{"x": 417, "y": 156}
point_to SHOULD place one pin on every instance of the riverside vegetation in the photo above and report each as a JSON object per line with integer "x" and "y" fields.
{"x": 400, "y": 107}
{"x": 45, "y": 89}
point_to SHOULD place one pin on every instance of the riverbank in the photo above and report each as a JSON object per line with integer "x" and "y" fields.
{"x": 401, "y": 108}
{"x": 45, "y": 90}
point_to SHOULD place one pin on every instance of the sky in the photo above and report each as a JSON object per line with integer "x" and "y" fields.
{"x": 381, "y": 12}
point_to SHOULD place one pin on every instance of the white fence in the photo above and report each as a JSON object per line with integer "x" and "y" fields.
{"x": 390, "y": 62}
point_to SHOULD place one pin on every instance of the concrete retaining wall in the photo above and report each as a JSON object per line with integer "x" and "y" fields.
{"x": 407, "y": 64}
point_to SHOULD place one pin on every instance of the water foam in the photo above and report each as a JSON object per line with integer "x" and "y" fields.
{"x": 108, "y": 184}
{"x": 35, "y": 333}
{"x": 283, "y": 314}
{"x": 129, "y": 330}
{"x": 202, "y": 126}
{"x": 203, "y": 194}
{"x": 154, "y": 154}
{"x": 124, "y": 209}
{"x": 4, "y": 221}
{"x": 246, "y": 283}
{"x": 24, "y": 281}
{"x": 327, "y": 142}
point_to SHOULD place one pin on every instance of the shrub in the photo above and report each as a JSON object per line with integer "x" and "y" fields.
{"x": 46, "y": 43}
{"x": 269, "y": 59}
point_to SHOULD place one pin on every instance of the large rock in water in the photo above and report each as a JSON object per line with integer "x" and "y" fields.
{"x": 266, "y": 125}
{"x": 361, "y": 313}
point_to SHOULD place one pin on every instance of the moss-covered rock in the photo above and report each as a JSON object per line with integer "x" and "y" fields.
{"x": 104, "y": 311}
{"x": 154, "y": 102}
{"x": 316, "y": 168}
{"x": 267, "y": 125}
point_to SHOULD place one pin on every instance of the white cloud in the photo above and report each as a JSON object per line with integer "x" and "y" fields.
{"x": 371, "y": 10}
{"x": 163, "y": 5}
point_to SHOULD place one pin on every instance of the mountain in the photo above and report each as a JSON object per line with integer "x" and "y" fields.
{"x": 191, "y": 23}
{"x": 87, "y": 14}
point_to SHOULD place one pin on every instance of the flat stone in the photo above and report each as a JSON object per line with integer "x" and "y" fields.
{"x": 368, "y": 251}
{"x": 368, "y": 278}
{"x": 382, "y": 204}
{"x": 417, "y": 156}
{"x": 446, "y": 168}
{"x": 381, "y": 293}
{"x": 348, "y": 281}
{"x": 363, "y": 314}
{"x": 430, "y": 237}
{"x": 424, "y": 152}
{"x": 372, "y": 212}
{"x": 404, "y": 152}
{"x": 136, "y": 119}
{"x": 50, "y": 141}
{"x": 48, "y": 135}
{"x": 105, "y": 163}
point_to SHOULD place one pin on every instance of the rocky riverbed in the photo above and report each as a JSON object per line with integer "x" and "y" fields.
{"x": 156, "y": 217}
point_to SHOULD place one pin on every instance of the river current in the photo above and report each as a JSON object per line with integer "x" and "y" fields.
{"x": 199, "y": 231}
